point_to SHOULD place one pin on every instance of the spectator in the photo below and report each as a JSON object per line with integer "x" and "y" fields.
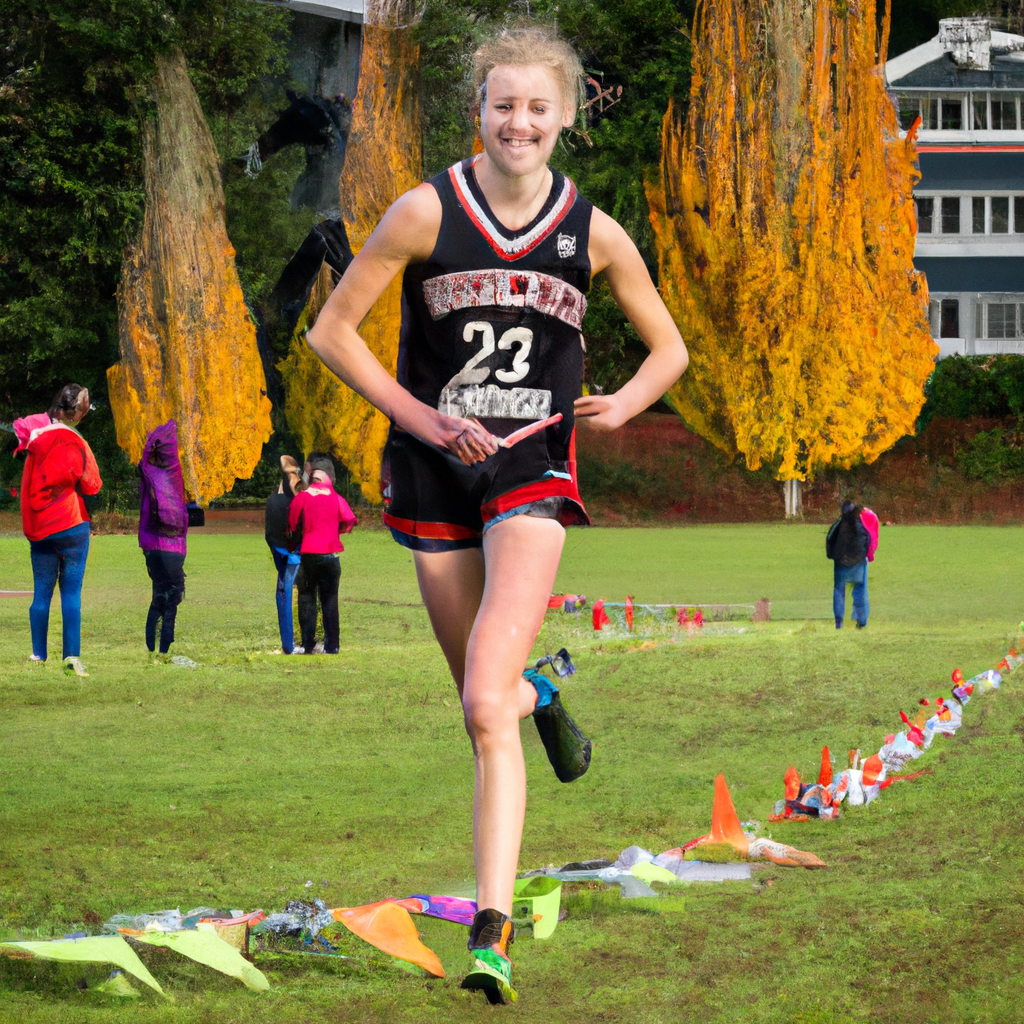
{"x": 322, "y": 515}
{"x": 847, "y": 544}
{"x": 163, "y": 529}
{"x": 284, "y": 550}
{"x": 60, "y": 473}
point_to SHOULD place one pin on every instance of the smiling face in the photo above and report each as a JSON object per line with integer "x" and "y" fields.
{"x": 521, "y": 114}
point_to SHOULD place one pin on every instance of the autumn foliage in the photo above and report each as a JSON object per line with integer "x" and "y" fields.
{"x": 785, "y": 232}
{"x": 187, "y": 342}
{"x": 383, "y": 160}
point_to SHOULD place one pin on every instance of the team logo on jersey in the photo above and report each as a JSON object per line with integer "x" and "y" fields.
{"x": 566, "y": 245}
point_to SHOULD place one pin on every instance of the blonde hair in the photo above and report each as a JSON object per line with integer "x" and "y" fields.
{"x": 530, "y": 44}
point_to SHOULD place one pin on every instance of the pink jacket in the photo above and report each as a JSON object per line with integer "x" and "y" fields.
{"x": 870, "y": 521}
{"x": 320, "y": 514}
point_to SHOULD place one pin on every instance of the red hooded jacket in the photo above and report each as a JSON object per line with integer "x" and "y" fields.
{"x": 59, "y": 470}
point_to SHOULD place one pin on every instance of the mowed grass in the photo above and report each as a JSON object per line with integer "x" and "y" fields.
{"x": 149, "y": 786}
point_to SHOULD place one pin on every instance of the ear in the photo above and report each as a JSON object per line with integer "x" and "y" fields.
{"x": 568, "y": 116}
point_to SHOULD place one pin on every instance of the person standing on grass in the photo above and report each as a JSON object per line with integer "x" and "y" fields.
{"x": 321, "y": 515}
{"x": 497, "y": 254}
{"x": 284, "y": 550}
{"x": 163, "y": 530}
{"x": 848, "y": 544}
{"x": 60, "y": 473}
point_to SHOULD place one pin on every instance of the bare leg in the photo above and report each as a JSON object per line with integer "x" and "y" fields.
{"x": 486, "y": 620}
{"x": 452, "y": 585}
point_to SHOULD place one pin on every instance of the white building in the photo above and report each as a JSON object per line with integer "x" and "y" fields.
{"x": 967, "y": 87}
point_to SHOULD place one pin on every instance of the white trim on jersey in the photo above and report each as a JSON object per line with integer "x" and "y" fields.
{"x": 511, "y": 248}
{"x": 525, "y": 288}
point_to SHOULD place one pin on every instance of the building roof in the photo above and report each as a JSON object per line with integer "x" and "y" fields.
{"x": 336, "y": 10}
{"x": 943, "y": 73}
{"x": 966, "y": 54}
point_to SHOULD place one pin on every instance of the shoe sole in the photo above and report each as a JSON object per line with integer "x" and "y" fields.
{"x": 498, "y": 991}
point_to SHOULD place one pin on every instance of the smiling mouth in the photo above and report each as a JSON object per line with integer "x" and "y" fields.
{"x": 518, "y": 143}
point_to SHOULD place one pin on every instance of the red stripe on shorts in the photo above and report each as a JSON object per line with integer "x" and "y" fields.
{"x": 431, "y": 531}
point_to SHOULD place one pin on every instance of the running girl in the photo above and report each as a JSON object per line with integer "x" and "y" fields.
{"x": 497, "y": 254}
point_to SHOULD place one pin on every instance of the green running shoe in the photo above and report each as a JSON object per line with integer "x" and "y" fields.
{"x": 567, "y": 748}
{"x": 490, "y": 939}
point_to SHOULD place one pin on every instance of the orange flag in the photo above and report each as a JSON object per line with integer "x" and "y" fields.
{"x": 629, "y": 612}
{"x": 389, "y": 927}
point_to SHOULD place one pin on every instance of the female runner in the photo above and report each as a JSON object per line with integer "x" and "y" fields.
{"x": 497, "y": 254}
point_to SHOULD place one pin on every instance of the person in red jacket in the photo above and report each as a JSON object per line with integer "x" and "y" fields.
{"x": 321, "y": 515}
{"x": 60, "y": 472}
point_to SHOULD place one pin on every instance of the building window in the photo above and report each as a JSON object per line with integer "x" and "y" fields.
{"x": 925, "y": 212}
{"x": 1004, "y": 113}
{"x": 978, "y": 214}
{"x": 1000, "y": 215}
{"x": 951, "y": 113}
{"x": 1018, "y": 214}
{"x": 929, "y": 113}
{"x": 979, "y": 103}
{"x": 1003, "y": 320}
{"x": 950, "y": 207}
{"x": 949, "y": 318}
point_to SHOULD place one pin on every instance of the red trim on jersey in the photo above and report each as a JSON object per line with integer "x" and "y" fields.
{"x": 504, "y": 247}
{"x": 431, "y": 531}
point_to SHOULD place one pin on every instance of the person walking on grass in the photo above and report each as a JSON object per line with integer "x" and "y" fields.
{"x": 284, "y": 549}
{"x": 163, "y": 530}
{"x": 848, "y": 544}
{"x": 60, "y": 473}
{"x": 497, "y": 254}
{"x": 320, "y": 515}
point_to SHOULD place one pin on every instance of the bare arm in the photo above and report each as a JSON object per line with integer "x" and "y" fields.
{"x": 406, "y": 234}
{"x": 613, "y": 252}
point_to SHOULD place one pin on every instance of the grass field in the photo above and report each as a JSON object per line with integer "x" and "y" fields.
{"x": 148, "y": 786}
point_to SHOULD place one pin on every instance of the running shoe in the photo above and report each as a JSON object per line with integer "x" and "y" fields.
{"x": 567, "y": 748}
{"x": 490, "y": 939}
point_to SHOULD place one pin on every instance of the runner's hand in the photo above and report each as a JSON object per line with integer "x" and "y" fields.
{"x": 600, "y": 412}
{"x": 467, "y": 439}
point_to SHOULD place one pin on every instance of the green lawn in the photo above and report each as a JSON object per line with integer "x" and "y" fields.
{"x": 148, "y": 786}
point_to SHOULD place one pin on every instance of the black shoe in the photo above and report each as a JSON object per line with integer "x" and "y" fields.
{"x": 861, "y": 625}
{"x": 567, "y": 748}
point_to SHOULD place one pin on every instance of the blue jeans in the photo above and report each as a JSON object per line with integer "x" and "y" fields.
{"x": 287, "y": 565}
{"x": 858, "y": 576}
{"x": 61, "y": 556}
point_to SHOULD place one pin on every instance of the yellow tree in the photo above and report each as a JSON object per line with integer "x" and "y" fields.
{"x": 784, "y": 226}
{"x": 187, "y": 342}
{"x": 383, "y": 160}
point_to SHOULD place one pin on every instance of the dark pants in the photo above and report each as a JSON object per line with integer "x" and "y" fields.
{"x": 61, "y": 556}
{"x": 167, "y": 571}
{"x": 320, "y": 576}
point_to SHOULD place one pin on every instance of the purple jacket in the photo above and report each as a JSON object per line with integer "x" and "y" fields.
{"x": 163, "y": 518}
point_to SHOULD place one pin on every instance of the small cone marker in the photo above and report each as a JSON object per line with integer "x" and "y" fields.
{"x": 825, "y": 773}
{"x": 725, "y": 822}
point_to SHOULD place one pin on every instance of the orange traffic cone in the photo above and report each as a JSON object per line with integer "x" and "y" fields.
{"x": 825, "y": 772}
{"x": 725, "y": 822}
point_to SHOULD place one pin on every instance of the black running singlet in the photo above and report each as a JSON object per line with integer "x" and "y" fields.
{"x": 492, "y": 321}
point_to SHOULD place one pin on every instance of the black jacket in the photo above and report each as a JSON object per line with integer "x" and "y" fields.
{"x": 848, "y": 540}
{"x": 277, "y": 521}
